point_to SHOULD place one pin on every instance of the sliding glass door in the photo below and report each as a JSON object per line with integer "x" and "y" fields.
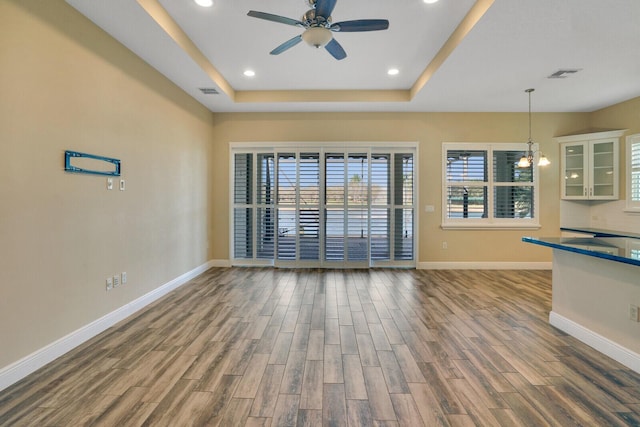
{"x": 346, "y": 201}
{"x": 325, "y": 207}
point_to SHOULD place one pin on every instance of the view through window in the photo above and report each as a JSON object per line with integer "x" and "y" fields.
{"x": 484, "y": 186}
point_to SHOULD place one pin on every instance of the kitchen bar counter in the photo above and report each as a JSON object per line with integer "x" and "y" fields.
{"x": 619, "y": 249}
{"x": 595, "y": 285}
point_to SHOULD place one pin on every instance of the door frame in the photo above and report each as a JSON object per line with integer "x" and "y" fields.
{"x": 360, "y": 147}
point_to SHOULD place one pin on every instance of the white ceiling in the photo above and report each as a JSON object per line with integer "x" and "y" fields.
{"x": 515, "y": 45}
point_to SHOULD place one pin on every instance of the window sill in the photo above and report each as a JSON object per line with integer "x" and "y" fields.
{"x": 633, "y": 211}
{"x": 476, "y": 226}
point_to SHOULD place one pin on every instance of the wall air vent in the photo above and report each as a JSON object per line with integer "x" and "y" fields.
{"x": 209, "y": 91}
{"x": 563, "y": 74}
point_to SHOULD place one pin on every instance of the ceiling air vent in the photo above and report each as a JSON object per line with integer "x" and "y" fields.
{"x": 563, "y": 74}
{"x": 209, "y": 91}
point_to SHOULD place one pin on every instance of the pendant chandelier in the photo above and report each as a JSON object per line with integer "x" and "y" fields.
{"x": 527, "y": 158}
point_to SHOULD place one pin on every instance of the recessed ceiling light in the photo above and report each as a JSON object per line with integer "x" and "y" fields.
{"x": 393, "y": 72}
{"x": 249, "y": 73}
{"x": 204, "y": 3}
{"x": 430, "y": 1}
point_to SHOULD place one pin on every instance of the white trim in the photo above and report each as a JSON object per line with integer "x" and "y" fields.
{"x": 490, "y": 222}
{"x": 621, "y": 354}
{"x": 317, "y": 145}
{"x": 477, "y": 225}
{"x": 479, "y": 265}
{"x": 590, "y": 136}
{"x": 630, "y": 205}
{"x": 18, "y": 370}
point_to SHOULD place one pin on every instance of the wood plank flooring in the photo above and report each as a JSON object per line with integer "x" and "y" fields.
{"x": 269, "y": 347}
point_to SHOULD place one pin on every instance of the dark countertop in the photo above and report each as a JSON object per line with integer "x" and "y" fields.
{"x": 619, "y": 249}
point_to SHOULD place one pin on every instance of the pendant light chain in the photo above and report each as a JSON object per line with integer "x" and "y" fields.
{"x": 527, "y": 159}
{"x": 529, "y": 92}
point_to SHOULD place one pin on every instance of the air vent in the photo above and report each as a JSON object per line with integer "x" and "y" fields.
{"x": 209, "y": 91}
{"x": 563, "y": 74}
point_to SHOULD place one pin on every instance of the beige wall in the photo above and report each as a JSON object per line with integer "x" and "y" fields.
{"x": 430, "y": 130}
{"x": 625, "y": 115}
{"x": 64, "y": 84}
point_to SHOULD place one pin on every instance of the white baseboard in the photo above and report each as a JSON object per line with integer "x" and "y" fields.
{"x": 484, "y": 266}
{"x": 16, "y": 371}
{"x": 621, "y": 354}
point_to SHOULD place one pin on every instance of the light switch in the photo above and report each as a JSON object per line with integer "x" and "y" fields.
{"x": 122, "y": 185}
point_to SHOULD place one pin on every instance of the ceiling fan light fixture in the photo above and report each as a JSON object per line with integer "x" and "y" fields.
{"x": 319, "y": 27}
{"x": 317, "y": 36}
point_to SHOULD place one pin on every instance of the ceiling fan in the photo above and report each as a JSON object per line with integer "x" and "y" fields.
{"x": 318, "y": 27}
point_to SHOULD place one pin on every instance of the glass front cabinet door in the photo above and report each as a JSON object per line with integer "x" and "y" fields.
{"x": 575, "y": 164}
{"x": 603, "y": 169}
{"x": 589, "y": 166}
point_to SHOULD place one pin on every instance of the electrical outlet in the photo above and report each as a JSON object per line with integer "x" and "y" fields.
{"x": 109, "y": 183}
{"x": 116, "y": 280}
{"x": 444, "y": 245}
{"x": 123, "y": 276}
{"x": 633, "y": 313}
{"x": 109, "y": 283}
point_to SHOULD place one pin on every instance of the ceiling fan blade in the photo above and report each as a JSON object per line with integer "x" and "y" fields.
{"x": 276, "y": 18}
{"x": 324, "y": 8}
{"x": 360, "y": 25}
{"x": 286, "y": 45}
{"x": 336, "y": 50}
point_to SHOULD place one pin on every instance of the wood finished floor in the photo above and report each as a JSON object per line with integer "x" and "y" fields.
{"x": 267, "y": 347}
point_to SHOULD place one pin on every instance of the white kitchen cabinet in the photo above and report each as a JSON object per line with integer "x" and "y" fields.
{"x": 590, "y": 165}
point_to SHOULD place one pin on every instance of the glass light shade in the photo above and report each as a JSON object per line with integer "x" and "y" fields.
{"x": 524, "y": 162}
{"x": 543, "y": 160}
{"x": 317, "y": 36}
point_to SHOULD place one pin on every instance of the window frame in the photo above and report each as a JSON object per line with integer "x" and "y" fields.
{"x": 631, "y": 206}
{"x": 490, "y": 222}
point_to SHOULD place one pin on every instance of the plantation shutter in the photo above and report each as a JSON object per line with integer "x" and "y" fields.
{"x": 634, "y": 166}
{"x": 242, "y": 211}
{"x": 513, "y": 186}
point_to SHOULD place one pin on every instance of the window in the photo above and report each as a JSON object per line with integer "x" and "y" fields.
{"x": 633, "y": 173}
{"x": 484, "y": 187}
{"x": 329, "y": 206}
